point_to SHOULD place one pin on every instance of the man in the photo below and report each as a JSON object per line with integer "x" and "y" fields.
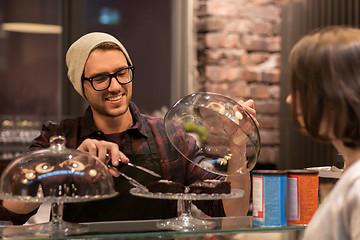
{"x": 101, "y": 71}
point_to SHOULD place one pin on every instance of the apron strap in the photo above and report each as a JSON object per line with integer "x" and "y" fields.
{"x": 151, "y": 141}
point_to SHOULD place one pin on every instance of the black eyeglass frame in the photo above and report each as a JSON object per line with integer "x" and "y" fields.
{"x": 111, "y": 75}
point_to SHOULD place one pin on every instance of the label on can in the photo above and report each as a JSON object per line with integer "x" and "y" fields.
{"x": 302, "y": 196}
{"x": 269, "y": 196}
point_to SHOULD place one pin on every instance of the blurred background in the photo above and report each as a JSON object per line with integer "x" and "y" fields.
{"x": 237, "y": 48}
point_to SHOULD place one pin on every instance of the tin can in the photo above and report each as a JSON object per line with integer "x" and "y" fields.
{"x": 269, "y": 197}
{"x": 302, "y": 196}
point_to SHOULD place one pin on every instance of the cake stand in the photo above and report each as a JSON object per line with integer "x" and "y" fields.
{"x": 226, "y": 142}
{"x": 186, "y": 222}
{"x": 55, "y": 175}
{"x": 57, "y": 227}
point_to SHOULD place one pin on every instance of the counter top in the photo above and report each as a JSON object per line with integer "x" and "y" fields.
{"x": 224, "y": 228}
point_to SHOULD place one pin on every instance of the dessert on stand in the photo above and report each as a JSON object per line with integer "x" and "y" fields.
{"x": 228, "y": 141}
{"x": 55, "y": 175}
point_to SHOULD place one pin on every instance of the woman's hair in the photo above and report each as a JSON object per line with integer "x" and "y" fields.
{"x": 325, "y": 84}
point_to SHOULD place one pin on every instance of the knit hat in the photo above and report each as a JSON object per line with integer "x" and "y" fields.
{"x": 79, "y": 52}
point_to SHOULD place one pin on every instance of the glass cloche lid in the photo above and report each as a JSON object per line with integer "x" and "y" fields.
{"x": 224, "y": 132}
{"x": 56, "y": 174}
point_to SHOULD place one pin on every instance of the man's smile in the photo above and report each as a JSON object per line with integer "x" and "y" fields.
{"x": 115, "y": 98}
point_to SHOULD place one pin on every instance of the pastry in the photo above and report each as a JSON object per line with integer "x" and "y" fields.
{"x": 166, "y": 186}
{"x": 210, "y": 186}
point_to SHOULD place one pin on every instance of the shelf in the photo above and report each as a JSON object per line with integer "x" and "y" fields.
{"x": 227, "y": 228}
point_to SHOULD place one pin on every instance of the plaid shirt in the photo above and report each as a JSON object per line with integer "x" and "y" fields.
{"x": 174, "y": 166}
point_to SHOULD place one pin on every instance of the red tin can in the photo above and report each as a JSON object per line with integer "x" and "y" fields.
{"x": 302, "y": 196}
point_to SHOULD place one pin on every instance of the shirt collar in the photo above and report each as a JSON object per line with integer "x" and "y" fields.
{"x": 89, "y": 129}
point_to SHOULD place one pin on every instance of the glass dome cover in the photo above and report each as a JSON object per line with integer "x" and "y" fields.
{"x": 56, "y": 174}
{"x": 225, "y": 134}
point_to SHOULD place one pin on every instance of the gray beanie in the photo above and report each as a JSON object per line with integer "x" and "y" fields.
{"x": 79, "y": 52}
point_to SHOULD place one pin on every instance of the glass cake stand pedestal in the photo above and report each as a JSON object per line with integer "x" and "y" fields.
{"x": 57, "y": 227}
{"x": 186, "y": 222}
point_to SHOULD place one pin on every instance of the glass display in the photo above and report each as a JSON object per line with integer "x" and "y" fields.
{"x": 224, "y": 132}
{"x": 56, "y": 175}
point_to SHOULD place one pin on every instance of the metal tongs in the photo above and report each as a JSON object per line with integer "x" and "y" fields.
{"x": 138, "y": 167}
{"x": 131, "y": 180}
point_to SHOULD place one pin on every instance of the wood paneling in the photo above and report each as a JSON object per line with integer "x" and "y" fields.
{"x": 299, "y": 18}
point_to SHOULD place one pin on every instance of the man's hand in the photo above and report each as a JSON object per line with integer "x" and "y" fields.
{"x": 102, "y": 150}
{"x": 249, "y": 106}
{"x": 238, "y": 135}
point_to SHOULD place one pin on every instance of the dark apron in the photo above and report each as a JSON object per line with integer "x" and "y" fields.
{"x": 126, "y": 206}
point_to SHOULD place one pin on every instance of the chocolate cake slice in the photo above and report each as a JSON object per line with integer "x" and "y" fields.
{"x": 210, "y": 186}
{"x": 165, "y": 186}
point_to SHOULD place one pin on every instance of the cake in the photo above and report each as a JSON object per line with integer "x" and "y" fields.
{"x": 210, "y": 186}
{"x": 166, "y": 186}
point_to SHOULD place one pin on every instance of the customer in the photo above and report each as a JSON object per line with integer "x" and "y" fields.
{"x": 325, "y": 104}
{"x": 101, "y": 71}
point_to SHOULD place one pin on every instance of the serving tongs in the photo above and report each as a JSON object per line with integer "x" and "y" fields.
{"x": 130, "y": 179}
{"x": 138, "y": 167}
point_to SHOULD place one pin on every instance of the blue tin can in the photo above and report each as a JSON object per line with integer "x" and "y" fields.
{"x": 269, "y": 198}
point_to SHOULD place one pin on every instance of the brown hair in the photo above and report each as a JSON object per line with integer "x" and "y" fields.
{"x": 109, "y": 46}
{"x": 325, "y": 83}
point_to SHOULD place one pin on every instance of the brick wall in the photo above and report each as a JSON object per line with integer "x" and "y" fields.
{"x": 238, "y": 55}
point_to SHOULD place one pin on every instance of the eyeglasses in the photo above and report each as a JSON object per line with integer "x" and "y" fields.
{"x": 102, "y": 82}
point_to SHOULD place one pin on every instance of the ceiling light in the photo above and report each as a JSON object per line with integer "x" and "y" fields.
{"x": 31, "y": 28}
